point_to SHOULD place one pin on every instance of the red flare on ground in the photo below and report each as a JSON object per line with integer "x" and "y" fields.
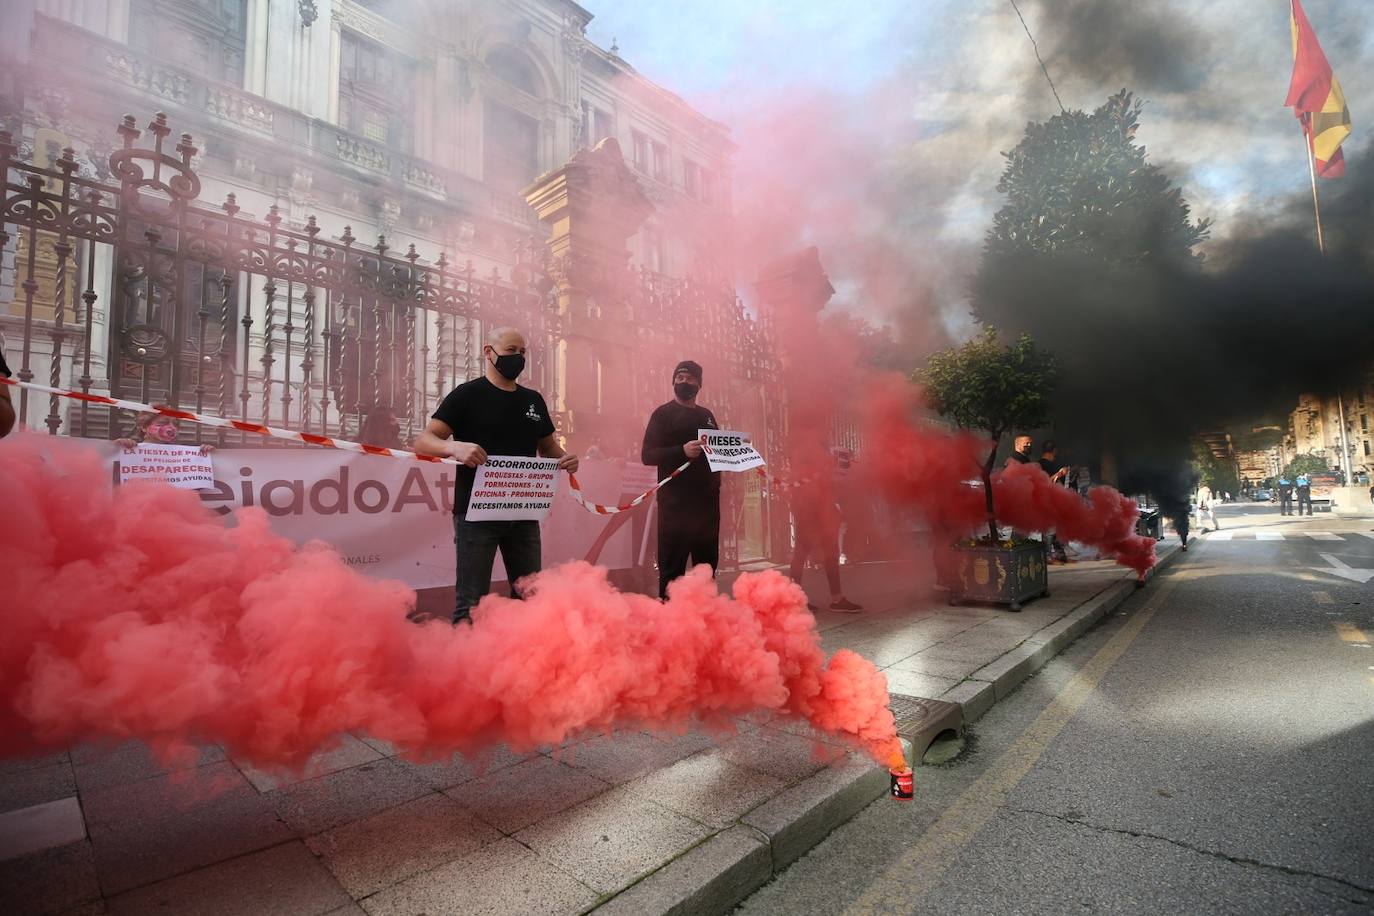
{"x": 135, "y": 613}
{"x": 938, "y": 473}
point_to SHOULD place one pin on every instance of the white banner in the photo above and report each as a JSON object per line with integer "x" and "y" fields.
{"x": 729, "y": 450}
{"x": 392, "y": 518}
{"x": 181, "y": 466}
{"x": 512, "y": 488}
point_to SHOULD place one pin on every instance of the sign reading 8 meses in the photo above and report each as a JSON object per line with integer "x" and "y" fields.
{"x": 729, "y": 450}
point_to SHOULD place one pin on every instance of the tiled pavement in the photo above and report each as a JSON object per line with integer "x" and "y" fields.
{"x": 113, "y": 830}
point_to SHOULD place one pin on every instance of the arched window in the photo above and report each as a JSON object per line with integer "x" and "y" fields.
{"x": 513, "y": 68}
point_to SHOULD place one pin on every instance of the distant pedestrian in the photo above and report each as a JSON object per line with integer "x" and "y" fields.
{"x": 1304, "y": 488}
{"x": 1371, "y": 489}
{"x": 1181, "y": 526}
{"x": 380, "y": 427}
{"x": 1207, "y": 508}
{"x": 1020, "y": 452}
{"x": 816, "y": 519}
{"x": 7, "y": 406}
{"x": 1058, "y": 473}
{"x": 1285, "y": 496}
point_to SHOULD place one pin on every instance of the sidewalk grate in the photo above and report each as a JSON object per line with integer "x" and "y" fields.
{"x": 921, "y": 721}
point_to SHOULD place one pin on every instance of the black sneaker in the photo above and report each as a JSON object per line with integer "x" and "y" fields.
{"x": 845, "y": 606}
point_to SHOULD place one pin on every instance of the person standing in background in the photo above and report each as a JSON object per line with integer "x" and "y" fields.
{"x": 1285, "y": 496}
{"x": 816, "y": 520}
{"x": 1304, "y": 489}
{"x": 6, "y": 405}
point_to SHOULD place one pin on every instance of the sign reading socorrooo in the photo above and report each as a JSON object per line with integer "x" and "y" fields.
{"x": 511, "y": 488}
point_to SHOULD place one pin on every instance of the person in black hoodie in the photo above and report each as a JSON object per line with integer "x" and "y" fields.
{"x": 689, "y": 504}
{"x": 6, "y": 405}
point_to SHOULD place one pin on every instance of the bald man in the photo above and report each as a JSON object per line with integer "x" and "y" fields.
{"x": 492, "y": 415}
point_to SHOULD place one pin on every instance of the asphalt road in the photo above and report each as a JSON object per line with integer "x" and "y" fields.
{"x": 1206, "y": 749}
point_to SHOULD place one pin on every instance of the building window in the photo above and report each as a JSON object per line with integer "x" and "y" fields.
{"x": 691, "y": 178}
{"x": 1366, "y": 448}
{"x": 510, "y": 145}
{"x": 375, "y": 91}
{"x": 652, "y": 255}
{"x": 661, "y": 171}
{"x": 603, "y": 125}
{"x": 514, "y": 69}
{"x": 1364, "y": 422}
{"x": 643, "y": 152}
{"x": 207, "y": 38}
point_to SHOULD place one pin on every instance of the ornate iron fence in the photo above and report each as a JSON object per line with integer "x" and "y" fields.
{"x": 204, "y": 306}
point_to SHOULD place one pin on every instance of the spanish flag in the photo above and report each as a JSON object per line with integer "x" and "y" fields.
{"x": 1316, "y": 98}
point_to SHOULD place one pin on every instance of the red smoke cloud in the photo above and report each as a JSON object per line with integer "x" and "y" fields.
{"x": 134, "y": 612}
{"x": 937, "y": 472}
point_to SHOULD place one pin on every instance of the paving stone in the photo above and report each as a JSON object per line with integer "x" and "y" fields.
{"x": 49, "y": 881}
{"x": 710, "y": 878}
{"x": 32, "y": 762}
{"x": 99, "y": 767}
{"x": 698, "y": 739}
{"x": 513, "y": 798}
{"x": 955, "y": 669}
{"x": 37, "y": 786}
{"x": 608, "y": 842}
{"x": 501, "y": 879}
{"x": 43, "y": 826}
{"x": 916, "y": 685}
{"x": 350, "y": 753}
{"x": 451, "y": 771}
{"x": 377, "y": 852}
{"x": 285, "y": 880}
{"x": 708, "y": 788}
{"x": 149, "y": 830}
{"x": 347, "y": 795}
{"x": 618, "y": 758}
{"x": 778, "y": 754}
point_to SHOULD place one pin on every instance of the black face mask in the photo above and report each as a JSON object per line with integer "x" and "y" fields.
{"x": 510, "y": 365}
{"x": 686, "y": 390}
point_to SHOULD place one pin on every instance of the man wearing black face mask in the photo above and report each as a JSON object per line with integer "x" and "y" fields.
{"x": 688, "y": 506}
{"x": 492, "y": 415}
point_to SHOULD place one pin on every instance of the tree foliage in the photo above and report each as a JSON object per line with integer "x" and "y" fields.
{"x": 1218, "y": 474}
{"x": 1078, "y": 184}
{"x": 1306, "y": 463}
{"x": 986, "y": 386}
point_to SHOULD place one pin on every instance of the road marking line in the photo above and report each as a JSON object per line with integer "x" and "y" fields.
{"x": 1220, "y": 535}
{"x": 1364, "y": 534}
{"x": 1349, "y": 632}
{"x": 1323, "y": 598}
{"x": 920, "y": 868}
{"x": 1268, "y": 535}
{"x": 1323, "y": 536}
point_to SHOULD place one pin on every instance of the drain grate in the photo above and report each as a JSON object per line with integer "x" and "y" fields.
{"x": 920, "y": 720}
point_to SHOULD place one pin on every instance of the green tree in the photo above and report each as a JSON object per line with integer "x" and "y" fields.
{"x": 1308, "y": 464}
{"x": 1215, "y": 472}
{"x": 986, "y": 386}
{"x": 1079, "y": 184}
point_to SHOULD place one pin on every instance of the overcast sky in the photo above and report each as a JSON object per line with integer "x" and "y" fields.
{"x": 936, "y": 89}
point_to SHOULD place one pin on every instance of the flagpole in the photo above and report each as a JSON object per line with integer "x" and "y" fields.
{"x": 1312, "y": 173}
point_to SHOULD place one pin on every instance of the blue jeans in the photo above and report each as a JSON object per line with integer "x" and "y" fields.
{"x": 476, "y": 544}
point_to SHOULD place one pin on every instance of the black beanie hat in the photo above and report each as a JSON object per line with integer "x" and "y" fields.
{"x": 689, "y": 365}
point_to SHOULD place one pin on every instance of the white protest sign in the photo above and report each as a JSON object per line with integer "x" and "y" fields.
{"x": 179, "y": 465}
{"x": 638, "y": 478}
{"x": 729, "y": 450}
{"x": 512, "y": 488}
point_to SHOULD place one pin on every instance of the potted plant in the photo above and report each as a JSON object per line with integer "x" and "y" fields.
{"x": 984, "y": 385}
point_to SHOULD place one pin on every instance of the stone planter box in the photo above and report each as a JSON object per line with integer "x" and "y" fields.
{"x": 996, "y": 575}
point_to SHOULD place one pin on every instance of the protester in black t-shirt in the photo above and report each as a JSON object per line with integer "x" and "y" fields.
{"x": 688, "y": 505}
{"x": 492, "y": 415}
{"x": 1049, "y": 463}
{"x": 6, "y": 405}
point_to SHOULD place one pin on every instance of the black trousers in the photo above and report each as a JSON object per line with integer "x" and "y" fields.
{"x": 814, "y": 537}
{"x": 1285, "y": 504}
{"x": 685, "y": 534}
{"x": 1305, "y": 499}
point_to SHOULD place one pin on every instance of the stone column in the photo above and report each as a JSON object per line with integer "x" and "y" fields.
{"x": 591, "y": 206}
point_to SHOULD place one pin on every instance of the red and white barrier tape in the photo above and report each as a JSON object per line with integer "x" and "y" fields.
{"x": 240, "y": 425}
{"x": 312, "y": 439}
{"x": 599, "y": 509}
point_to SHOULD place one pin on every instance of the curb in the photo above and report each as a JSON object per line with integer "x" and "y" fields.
{"x": 716, "y": 875}
{"x": 996, "y": 680}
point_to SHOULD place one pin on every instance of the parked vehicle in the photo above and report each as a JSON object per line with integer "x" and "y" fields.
{"x": 1263, "y": 496}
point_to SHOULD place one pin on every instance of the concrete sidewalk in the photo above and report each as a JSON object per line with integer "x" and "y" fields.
{"x": 635, "y": 823}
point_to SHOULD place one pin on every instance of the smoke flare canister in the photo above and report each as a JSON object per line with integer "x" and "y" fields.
{"x": 901, "y": 784}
